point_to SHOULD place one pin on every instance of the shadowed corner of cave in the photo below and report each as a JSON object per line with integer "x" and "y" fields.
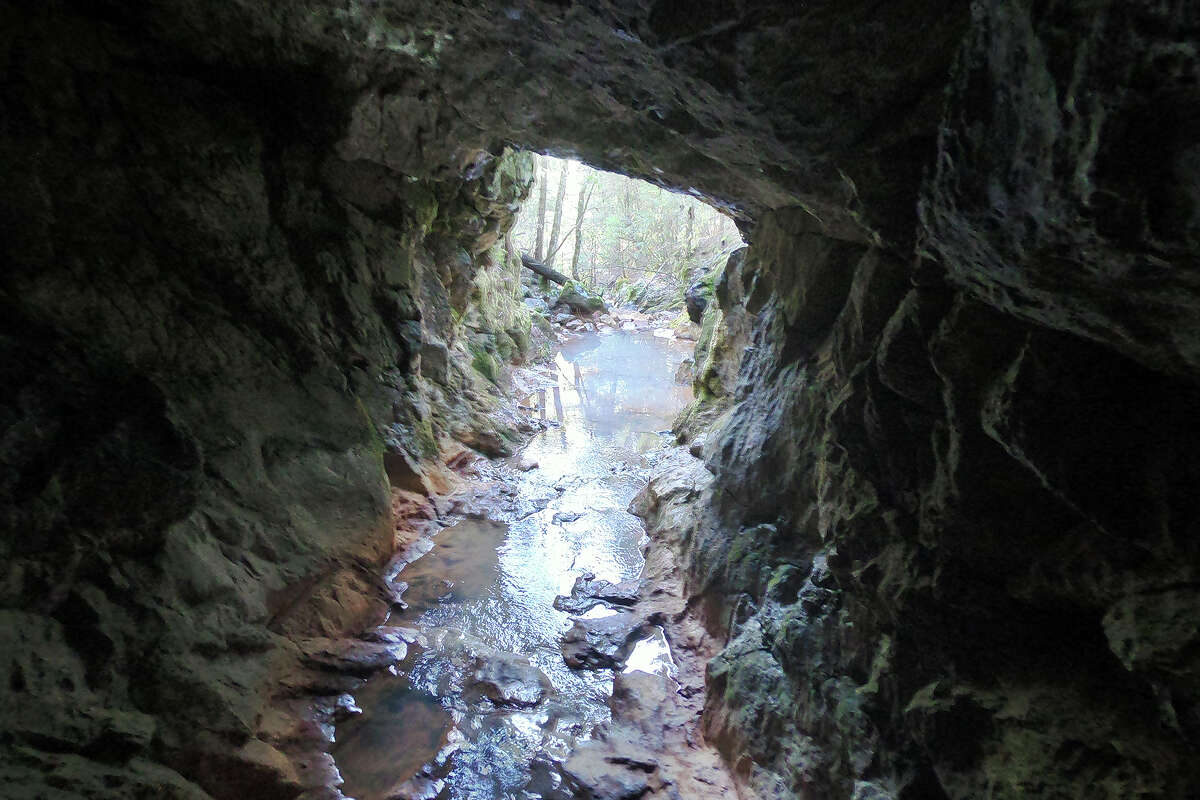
{"x": 927, "y": 529}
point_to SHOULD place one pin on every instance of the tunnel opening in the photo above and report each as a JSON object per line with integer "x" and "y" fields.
{"x": 526, "y": 614}
{"x": 624, "y": 240}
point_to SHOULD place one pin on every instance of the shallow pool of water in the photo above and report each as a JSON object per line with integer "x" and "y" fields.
{"x": 486, "y": 587}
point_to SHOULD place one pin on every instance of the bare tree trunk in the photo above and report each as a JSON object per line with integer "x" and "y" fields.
{"x": 672, "y": 235}
{"x": 691, "y": 226}
{"x": 558, "y": 208}
{"x": 532, "y": 264}
{"x": 580, "y": 209}
{"x": 539, "y": 249}
{"x": 630, "y": 204}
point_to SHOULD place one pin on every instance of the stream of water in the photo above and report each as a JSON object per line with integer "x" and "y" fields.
{"x": 486, "y": 588}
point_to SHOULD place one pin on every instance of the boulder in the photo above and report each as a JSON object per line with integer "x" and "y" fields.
{"x": 600, "y": 643}
{"x": 509, "y": 680}
{"x": 537, "y": 305}
{"x": 685, "y": 373}
{"x": 696, "y": 300}
{"x": 578, "y": 301}
{"x": 589, "y": 592}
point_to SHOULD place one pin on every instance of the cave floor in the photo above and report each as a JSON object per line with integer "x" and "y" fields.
{"x": 485, "y": 705}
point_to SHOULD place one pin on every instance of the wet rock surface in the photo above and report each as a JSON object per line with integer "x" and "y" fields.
{"x": 923, "y": 586}
{"x": 629, "y": 760}
{"x": 600, "y": 643}
{"x": 510, "y": 680}
{"x": 588, "y": 592}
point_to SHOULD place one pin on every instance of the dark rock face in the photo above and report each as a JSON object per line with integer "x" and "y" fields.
{"x": 695, "y": 301}
{"x": 929, "y": 536}
{"x": 1067, "y": 189}
{"x": 950, "y": 531}
{"x": 949, "y": 518}
{"x": 213, "y": 328}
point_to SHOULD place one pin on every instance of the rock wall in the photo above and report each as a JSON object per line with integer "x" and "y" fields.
{"x": 948, "y": 517}
{"x": 948, "y": 514}
{"x": 215, "y": 336}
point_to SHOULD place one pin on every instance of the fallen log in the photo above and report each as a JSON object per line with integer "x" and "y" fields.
{"x": 531, "y": 263}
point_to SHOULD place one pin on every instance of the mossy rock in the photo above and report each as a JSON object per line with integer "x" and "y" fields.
{"x": 578, "y": 301}
{"x": 506, "y": 348}
{"x": 521, "y": 340}
{"x": 485, "y": 364}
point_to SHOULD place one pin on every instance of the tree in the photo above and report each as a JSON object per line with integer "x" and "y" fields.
{"x": 624, "y": 231}
{"x": 580, "y": 210}
{"x": 539, "y": 251}
{"x": 558, "y": 207}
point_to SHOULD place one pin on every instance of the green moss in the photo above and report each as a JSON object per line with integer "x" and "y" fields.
{"x": 747, "y": 559}
{"x": 521, "y": 340}
{"x": 422, "y": 204}
{"x": 505, "y": 346}
{"x": 425, "y": 437}
{"x": 374, "y": 437}
{"x": 485, "y": 364}
{"x": 785, "y": 581}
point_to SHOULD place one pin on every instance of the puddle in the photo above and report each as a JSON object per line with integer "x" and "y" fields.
{"x": 411, "y": 727}
{"x": 460, "y": 568}
{"x": 652, "y": 655}
{"x": 485, "y": 588}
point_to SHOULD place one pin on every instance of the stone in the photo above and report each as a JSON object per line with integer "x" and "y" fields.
{"x": 509, "y": 680}
{"x": 575, "y": 299}
{"x": 686, "y": 372}
{"x": 587, "y": 593}
{"x": 353, "y": 657}
{"x": 600, "y": 643}
{"x": 696, "y": 298}
{"x": 596, "y": 775}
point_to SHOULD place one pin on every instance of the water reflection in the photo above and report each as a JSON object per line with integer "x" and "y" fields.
{"x": 620, "y": 386}
{"x": 487, "y": 588}
{"x": 652, "y": 655}
{"x": 404, "y": 730}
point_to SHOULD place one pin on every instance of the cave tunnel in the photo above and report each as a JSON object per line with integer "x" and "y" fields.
{"x": 937, "y": 504}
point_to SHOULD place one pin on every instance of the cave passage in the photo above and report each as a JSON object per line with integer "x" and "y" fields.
{"x": 932, "y": 523}
{"x": 485, "y": 703}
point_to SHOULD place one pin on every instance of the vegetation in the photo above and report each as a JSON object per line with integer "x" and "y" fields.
{"x": 624, "y": 238}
